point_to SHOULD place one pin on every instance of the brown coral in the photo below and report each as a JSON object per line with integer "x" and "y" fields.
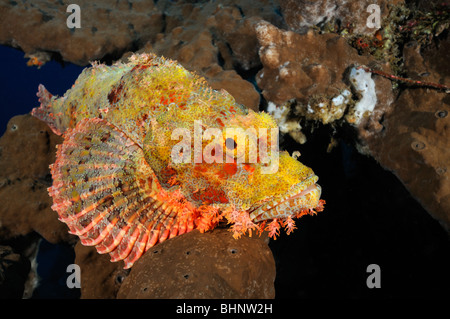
{"x": 210, "y": 265}
{"x": 209, "y": 38}
{"x": 415, "y": 143}
{"x": 310, "y": 75}
{"x": 303, "y": 14}
{"x": 27, "y": 149}
{"x": 27, "y": 26}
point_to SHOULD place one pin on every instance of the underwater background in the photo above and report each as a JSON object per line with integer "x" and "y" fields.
{"x": 370, "y": 217}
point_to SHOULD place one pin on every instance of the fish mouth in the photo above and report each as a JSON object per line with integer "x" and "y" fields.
{"x": 302, "y": 196}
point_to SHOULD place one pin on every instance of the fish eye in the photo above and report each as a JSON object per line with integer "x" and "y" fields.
{"x": 230, "y": 143}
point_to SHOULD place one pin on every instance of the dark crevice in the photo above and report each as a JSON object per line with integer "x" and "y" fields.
{"x": 249, "y": 75}
{"x": 220, "y": 59}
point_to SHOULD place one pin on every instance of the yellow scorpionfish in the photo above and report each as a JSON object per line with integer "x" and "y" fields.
{"x": 150, "y": 152}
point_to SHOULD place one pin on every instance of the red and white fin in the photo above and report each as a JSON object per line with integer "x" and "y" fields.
{"x": 108, "y": 195}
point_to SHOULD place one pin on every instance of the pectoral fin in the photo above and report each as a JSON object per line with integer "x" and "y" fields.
{"x": 108, "y": 195}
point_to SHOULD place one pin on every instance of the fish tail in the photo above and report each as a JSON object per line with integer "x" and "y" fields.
{"x": 45, "y": 112}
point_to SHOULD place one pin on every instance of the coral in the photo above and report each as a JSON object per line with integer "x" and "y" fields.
{"x": 26, "y": 151}
{"x": 414, "y": 143}
{"x": 212, "y": 265}
{"x": 196, "y": 265}
{"x": 332, "y": 15}
{"x": 100, "y": 278}
{"x": 365, "y": 86}
{"x": 415, "y": 148}
{"x": 312, "y": 76}
{"x": 399, "y": 26}
{"x": 286, "y": 123}
{"x": 286, "y": 84}
{"x": 38, "y": 59}
{"x": 412, "y": 24}
{"x": 207, "y": 37}
{"x": 26, "y": 25}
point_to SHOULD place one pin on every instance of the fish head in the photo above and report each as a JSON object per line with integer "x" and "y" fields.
{"x": 236, "y": 168}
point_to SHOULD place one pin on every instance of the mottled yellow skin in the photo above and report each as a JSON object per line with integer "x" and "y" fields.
{"x": 116, "y": 168}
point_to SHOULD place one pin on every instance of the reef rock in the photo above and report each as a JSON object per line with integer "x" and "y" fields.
{"x": 106, "y": 28}
{"x": 100, "y": 278}
{"x": 207, "y": 37}
{"x": 208, "y": 265}
{"x": 315, "y": 77}
{"x": 26, "y": 150}
{"x": 415, "y": 143}
{"x": 13, "y": 273}
{"x": 303, "y": 14}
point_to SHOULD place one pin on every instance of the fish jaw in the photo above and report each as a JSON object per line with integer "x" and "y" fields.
{"x": 304, "y": 196}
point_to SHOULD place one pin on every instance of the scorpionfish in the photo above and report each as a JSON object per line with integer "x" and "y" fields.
{"x": 115, "y": 181}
